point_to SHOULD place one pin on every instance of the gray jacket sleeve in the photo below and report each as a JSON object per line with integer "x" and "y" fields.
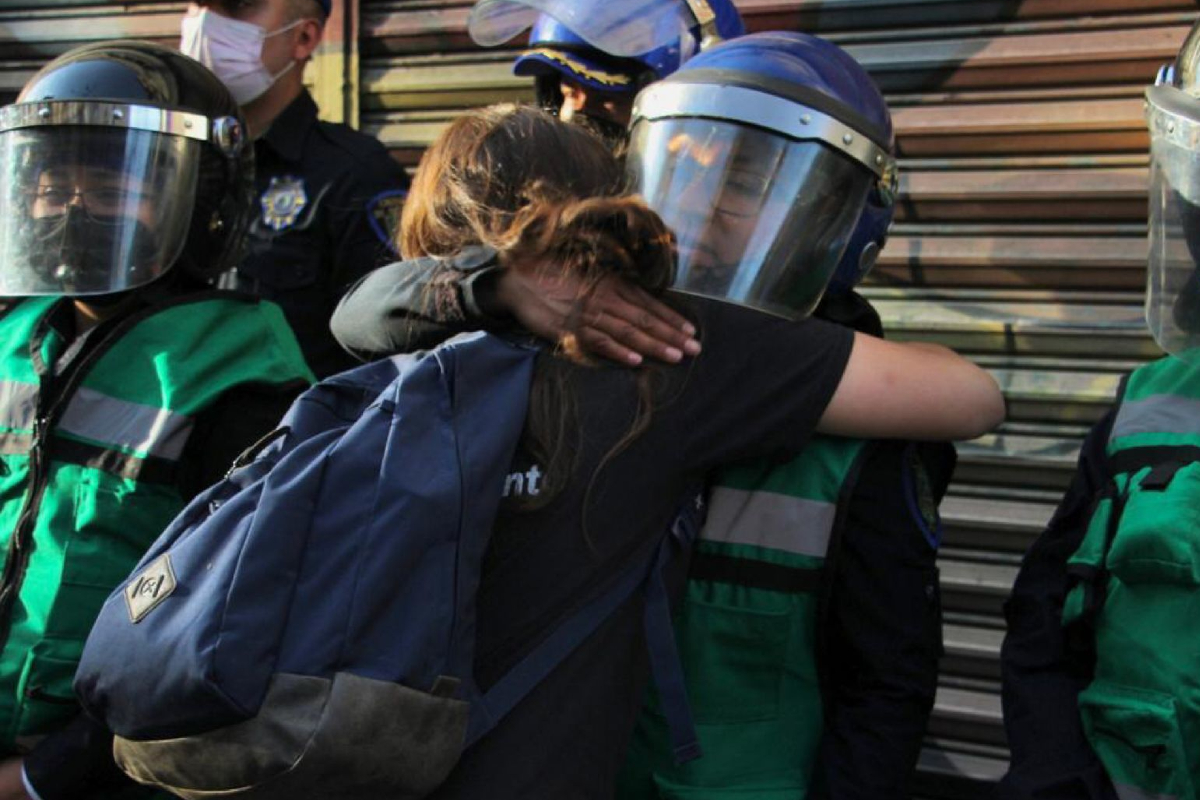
{"x": 415, "y": 304}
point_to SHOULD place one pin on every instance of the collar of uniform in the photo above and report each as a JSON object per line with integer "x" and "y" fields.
{"x": 287, "y": 133}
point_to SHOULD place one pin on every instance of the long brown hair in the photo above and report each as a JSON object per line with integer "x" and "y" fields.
{"x": 547, "y": 196}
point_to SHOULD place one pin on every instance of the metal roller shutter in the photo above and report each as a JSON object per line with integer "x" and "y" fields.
{"x": 31, "y": 33}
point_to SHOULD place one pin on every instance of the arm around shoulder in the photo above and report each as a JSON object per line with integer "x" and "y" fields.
{"x": 911, "y": 391}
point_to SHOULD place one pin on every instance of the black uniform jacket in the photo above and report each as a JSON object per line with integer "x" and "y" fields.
{"x": 1043, "y": 673}
{"x": 328, "y": 198}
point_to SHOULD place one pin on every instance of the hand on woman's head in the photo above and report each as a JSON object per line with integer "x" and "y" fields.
{"x": 610, "y": 318}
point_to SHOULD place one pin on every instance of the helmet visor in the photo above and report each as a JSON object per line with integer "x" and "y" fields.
{"x": 618, "y": 27}
{"x": 88, "y": 210}
{"x": 1172, "y": 284}
{"x": 761, "y": 219}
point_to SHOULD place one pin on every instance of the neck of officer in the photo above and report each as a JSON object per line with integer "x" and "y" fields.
{"x": 266, "y": 108}
{"x": 89, "y": 315}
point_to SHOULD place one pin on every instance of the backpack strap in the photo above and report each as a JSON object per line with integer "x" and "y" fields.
{"x": 665, "y": 663}
{"x": 644, "y": 571}
{"x": 1094, "y": 579}
{"x": 1163, "y": 461}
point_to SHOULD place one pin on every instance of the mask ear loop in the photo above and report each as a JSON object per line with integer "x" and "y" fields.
{"x": 288, "y": 27}
{"x": 294, "y": 24}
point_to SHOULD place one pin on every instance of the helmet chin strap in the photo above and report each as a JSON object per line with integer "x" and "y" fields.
{"x": 706, "y": 18}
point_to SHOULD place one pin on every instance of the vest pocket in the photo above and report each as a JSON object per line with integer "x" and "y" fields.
{"x": 1158, "y": 537}
{"x": 115, "y": 522}
{"x": 46, "y": 698}
{"x": 734, "y": 659}
{"x": 1135, "y": 734}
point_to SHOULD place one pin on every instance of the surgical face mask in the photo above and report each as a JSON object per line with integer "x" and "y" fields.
{"x": 232, "y": 49}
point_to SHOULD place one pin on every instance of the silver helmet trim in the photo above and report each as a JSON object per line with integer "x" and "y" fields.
{"x": 225, "y": 133}
{"x": 1174, "y": 116}
{"x": 764, "y": 110}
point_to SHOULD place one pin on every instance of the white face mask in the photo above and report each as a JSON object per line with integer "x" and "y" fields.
{"x": 232, "y": 49}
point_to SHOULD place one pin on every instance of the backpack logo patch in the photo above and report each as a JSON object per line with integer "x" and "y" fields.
{"x": 150, "y": 587}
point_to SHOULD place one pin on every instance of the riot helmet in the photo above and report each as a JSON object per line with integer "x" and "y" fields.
{"x": 662, "y": 34}
{"x": 1172, "y": 282}
{"x": 760, "y": 155}
{"x": 555, "y": 53}
{"x": 121, "y": 161}
{"x": 558, "y": 56}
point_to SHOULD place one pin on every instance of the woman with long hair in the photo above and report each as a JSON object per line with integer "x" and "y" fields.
{"x": 608, "y": 452}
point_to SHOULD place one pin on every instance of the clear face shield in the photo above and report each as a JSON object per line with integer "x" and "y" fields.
{"x": 88, "y": 207}
{"x": 761, "y": 219}
{"x": 618, "y": 27}
{"x": 1172, "y": 282}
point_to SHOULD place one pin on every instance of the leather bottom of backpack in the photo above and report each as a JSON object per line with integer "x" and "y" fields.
{"x": 349, "y": 737}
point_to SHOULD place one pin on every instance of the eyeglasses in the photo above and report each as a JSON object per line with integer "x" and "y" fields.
{"x": 105, "y": 200}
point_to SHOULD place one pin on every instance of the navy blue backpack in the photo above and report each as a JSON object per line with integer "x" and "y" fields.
{"x": 305, "y": 628}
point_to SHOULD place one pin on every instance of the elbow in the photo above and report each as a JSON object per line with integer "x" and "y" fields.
{"x": 987, "y": 409}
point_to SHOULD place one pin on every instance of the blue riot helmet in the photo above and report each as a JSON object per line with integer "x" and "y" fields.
{"x": 760, "y": 155}
{"x": 602, "y": 86}
{"x": 1173, "y": 285}
{"x": 631, "y": 28}
{"x": 869, "y": 236}
{"x": 555, "y": 53}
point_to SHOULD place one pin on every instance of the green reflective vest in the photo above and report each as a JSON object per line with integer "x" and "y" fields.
{"x": 1136, "y": 589}
{"x": 747, "y": 634}
{"x": 87, "y": 470}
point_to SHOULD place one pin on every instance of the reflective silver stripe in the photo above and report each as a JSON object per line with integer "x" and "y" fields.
{"x": 1127, "y": 792}
{"x": 766, "y": 519}
{"x": 1159, "y": 413}
{"x": 18, "y": 405}
{"x": 144, "y": 429}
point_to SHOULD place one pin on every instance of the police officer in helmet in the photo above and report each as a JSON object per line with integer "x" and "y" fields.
{"x": 582, "y": 68}
{"x": 129, "y": 383}
{"x": 771, "y": 159}
{"x": 1099, "y": 662}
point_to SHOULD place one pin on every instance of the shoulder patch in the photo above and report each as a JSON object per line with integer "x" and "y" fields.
{"x": 383, "y": 214}
{"x": 922, "y": 502}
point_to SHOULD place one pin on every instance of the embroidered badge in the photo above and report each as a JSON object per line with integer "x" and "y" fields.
{"x": 383, "y": 213}
{"x": 283, "y": 201}
{"x": 150, "y": 587}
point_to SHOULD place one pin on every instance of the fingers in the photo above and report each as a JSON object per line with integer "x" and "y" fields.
{"x": 612, "y": 319}
{"x": 636, "y": 297}
{"x": 624, "y": 318}
{"x": 594, "y": 341}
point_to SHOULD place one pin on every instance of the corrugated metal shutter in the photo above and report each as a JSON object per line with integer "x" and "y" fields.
{"x": 1020, "y": 241}
{"x": 31, "y": 33}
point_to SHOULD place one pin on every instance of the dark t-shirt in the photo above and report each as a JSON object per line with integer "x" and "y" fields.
{"x": 756, "y": 391}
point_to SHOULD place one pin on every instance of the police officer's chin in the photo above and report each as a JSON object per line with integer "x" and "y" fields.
{"x": 612, "y": 133}
{"x": 91, "y": 310}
